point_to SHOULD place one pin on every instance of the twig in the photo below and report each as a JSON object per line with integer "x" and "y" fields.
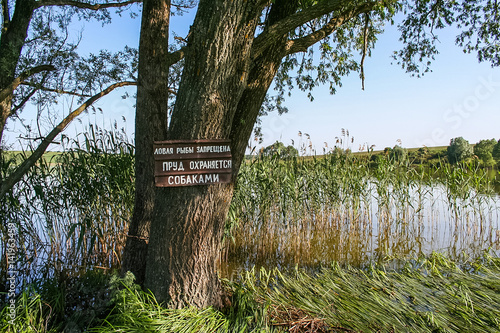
{"x": 84, "y": 5}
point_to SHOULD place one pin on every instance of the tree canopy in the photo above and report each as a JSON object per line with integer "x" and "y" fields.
{"x": 484, "y": 151}
{"x": 459, "y": 150}
{"x": 496, "y": 152}
{"x": 40, "y": 65}
{"x": 280, "y": 150}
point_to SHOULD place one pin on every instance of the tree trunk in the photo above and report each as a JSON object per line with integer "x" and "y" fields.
{"x": 220, "y": 95}
{"x": 151, "y": 125}
{"x": 185, "y": 245}
{"x": 262, "y": 73}
{"x": 189, "y": 221}
{"x": 11, "y": 45}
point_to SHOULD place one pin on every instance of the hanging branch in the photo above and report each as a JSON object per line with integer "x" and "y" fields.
{"x": 365, "y": 49}
{"x": 85, "y": 5}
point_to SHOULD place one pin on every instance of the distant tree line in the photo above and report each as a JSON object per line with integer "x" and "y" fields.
{"x": 485, "y": 152}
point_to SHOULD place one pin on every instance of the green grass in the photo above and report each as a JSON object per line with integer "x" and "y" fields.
{"x": 429, "y": 294}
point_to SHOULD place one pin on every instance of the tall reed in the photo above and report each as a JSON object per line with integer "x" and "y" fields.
{"x": 72, "y": 210}
{"x": 310, "y": 211}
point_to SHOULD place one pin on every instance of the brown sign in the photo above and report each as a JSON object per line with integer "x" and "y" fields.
{"x": 192, "y": 162}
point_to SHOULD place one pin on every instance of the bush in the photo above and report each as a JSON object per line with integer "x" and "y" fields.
{"x": 459, "y": 150}
{"x": 280, "y": 150}
{"x": 398, "y": 153}
{"x": 484, "y": 151}
{"x": 496, "y": 152}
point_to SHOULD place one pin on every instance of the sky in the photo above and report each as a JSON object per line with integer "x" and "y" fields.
{"x": 460, "y": 97}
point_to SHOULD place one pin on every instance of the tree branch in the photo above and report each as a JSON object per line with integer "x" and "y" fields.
{"x": 84, "y": 5}
{"x": 22, "y": 103}
{"x": 9, "y": 90}
{"x": 303, "y": 43}
{"x": 58, "y": 91}
{"x": 23, "y": 168}
{"x": 282, "y": 27}
{"x": 5, "y": 15}
{"x": 182, "y": 6}
{"x": 176, "y": 56}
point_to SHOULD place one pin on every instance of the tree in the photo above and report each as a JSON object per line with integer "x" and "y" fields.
{"x": 398, "y": 153}
{"x": 496, "y": 152}
{"x": 484, "y": 151}
{"x": 195, "y": 216}
{"x": 234, "y": 51}
{"x": 151, "y": 125}
{"x": 280, "y": 150}
{"x": 38, "y": 64}
{"x": 459, "y": 150}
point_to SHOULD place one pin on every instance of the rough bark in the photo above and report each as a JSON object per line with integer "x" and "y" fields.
{"x": 262, "y": 73}
{"x": 151, "y": 124}
{"x": 188, "y": 222}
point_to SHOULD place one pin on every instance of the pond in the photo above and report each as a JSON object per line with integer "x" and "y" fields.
{"x": 376, "y": 225}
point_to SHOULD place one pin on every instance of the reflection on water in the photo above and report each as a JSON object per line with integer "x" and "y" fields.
{"x": 366, "y": 229}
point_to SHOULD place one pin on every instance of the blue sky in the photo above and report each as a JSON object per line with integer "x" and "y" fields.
{"x": 459, "y": 98}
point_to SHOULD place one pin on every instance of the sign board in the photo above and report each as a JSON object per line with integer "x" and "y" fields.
{"x": 192, "y": 162}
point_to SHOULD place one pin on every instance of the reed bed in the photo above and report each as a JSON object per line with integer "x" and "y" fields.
{"x": 71, "y": 211}
{"x": 339, "y": 207}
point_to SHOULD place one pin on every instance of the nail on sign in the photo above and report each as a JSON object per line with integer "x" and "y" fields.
{"x": 192, "y": 162}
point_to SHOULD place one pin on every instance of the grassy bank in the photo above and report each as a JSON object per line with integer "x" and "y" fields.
{"x": 429, "y": 294}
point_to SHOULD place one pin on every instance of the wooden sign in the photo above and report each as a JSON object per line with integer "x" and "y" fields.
{"x": 192, "y": 162}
